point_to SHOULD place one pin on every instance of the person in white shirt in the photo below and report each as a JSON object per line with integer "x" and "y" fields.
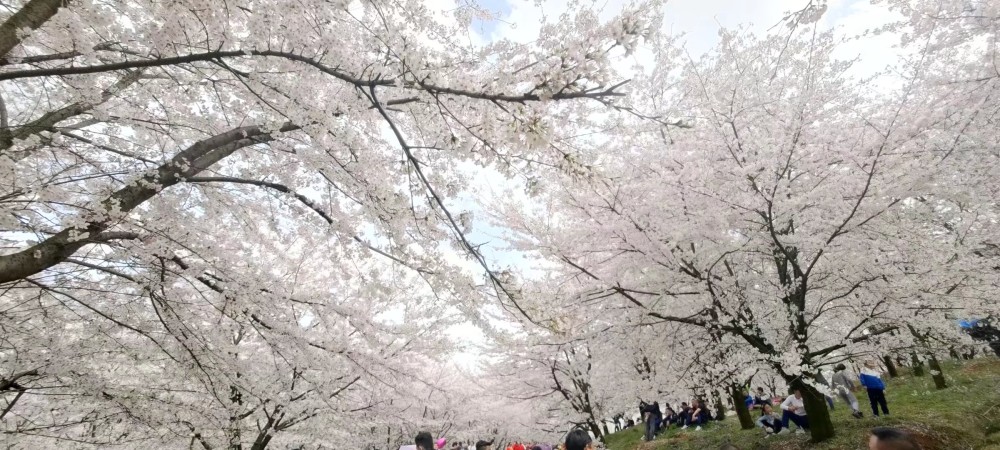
{"x": 794, "y": 410}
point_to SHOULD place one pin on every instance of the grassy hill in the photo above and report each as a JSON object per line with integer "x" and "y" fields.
{"x": 966, "y": 415}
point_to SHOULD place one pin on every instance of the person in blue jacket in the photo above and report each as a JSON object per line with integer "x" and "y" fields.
{"x": 871, "y": 379}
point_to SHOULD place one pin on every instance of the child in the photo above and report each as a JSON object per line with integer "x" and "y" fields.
{"x": 871, "y": 379}
{"x": 767, "y": 421}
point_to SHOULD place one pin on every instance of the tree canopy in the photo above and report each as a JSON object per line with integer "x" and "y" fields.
{"x": 252, "y": 224}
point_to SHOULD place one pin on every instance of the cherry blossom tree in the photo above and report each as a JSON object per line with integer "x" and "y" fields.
{"x": 234, "y": 224}
{"x": 782, "y": 212}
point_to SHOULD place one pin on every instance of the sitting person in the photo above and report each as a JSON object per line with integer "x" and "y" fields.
{"x": 768, "y": 421}
{"x": 684, "y": 416}
{"x": 794, "y": 410}
{"x": 761, "y": 398}
{"x": 669, "y": 417}
{"x": 699, "y": 415}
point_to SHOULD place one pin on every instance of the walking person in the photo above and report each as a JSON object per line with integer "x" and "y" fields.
{"x": 648, "y": 421}
{"x": 871, "y": 379}
{"x": 657, "y": 417}
{"x": 844, "y": 385}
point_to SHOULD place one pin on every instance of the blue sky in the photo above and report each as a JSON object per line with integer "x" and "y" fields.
{"x": 698, "y": 20}
{"x": 486, "y": 28}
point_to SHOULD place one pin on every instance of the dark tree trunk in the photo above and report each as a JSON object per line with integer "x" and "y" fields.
{"x": 918, "y": 365}
{"x": 720, "y": 407}
{"x": 820, "y": 425}
{"x": 936, "y": 373}
{"x": 742, "y": 412}
{"x": 594, "y": 428}
{"x": 890, "y": 366}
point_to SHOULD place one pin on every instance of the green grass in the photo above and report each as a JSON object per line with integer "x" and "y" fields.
{"x": 966, "y": 415}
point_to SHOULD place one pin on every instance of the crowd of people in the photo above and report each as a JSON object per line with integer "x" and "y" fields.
{"x": 656, "y": 420}
{"x": 881, "y": 438}
{"x": 793, "y": 409}
{"x": 776, "y": 414}
{"x": 575, "y": 440}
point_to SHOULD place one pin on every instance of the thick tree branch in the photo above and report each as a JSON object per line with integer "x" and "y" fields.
{"x": 31, "y": 16}
{"x": 10, "y": 383}
{"x": 11, "y": 403}
{"x": 185, "y": 59}
{"x": 188, "y": 163}
{"x": 854, "y": 340}
{"x": 215, "y": 56}
{"x": 49, "y": 120}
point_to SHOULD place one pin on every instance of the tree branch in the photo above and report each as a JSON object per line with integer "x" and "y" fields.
{"x": 49, "y": 120}
{"x": 7, "y": 384}
{"x": 854, "y": 340}
{"x": 185, "y": 164}
{"x": 358, "y": 82}
{"x": 305, "y": 200}
{"x": 31, "y": 16}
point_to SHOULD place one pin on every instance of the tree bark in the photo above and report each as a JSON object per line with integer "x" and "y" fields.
{"x": 50, "y": 119}
{"x": 31, "y": 16}
{"x": 185, "y": 164}
{"x": 820, "y": 425}
{"x": 742, "y": 412}
{"x": 890, "y": 366}
{"x": 596, "y": 429}
{"x": 936, "y": 373}
{"x": 720, "y": 407}
{"x": 918, "y": 366}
